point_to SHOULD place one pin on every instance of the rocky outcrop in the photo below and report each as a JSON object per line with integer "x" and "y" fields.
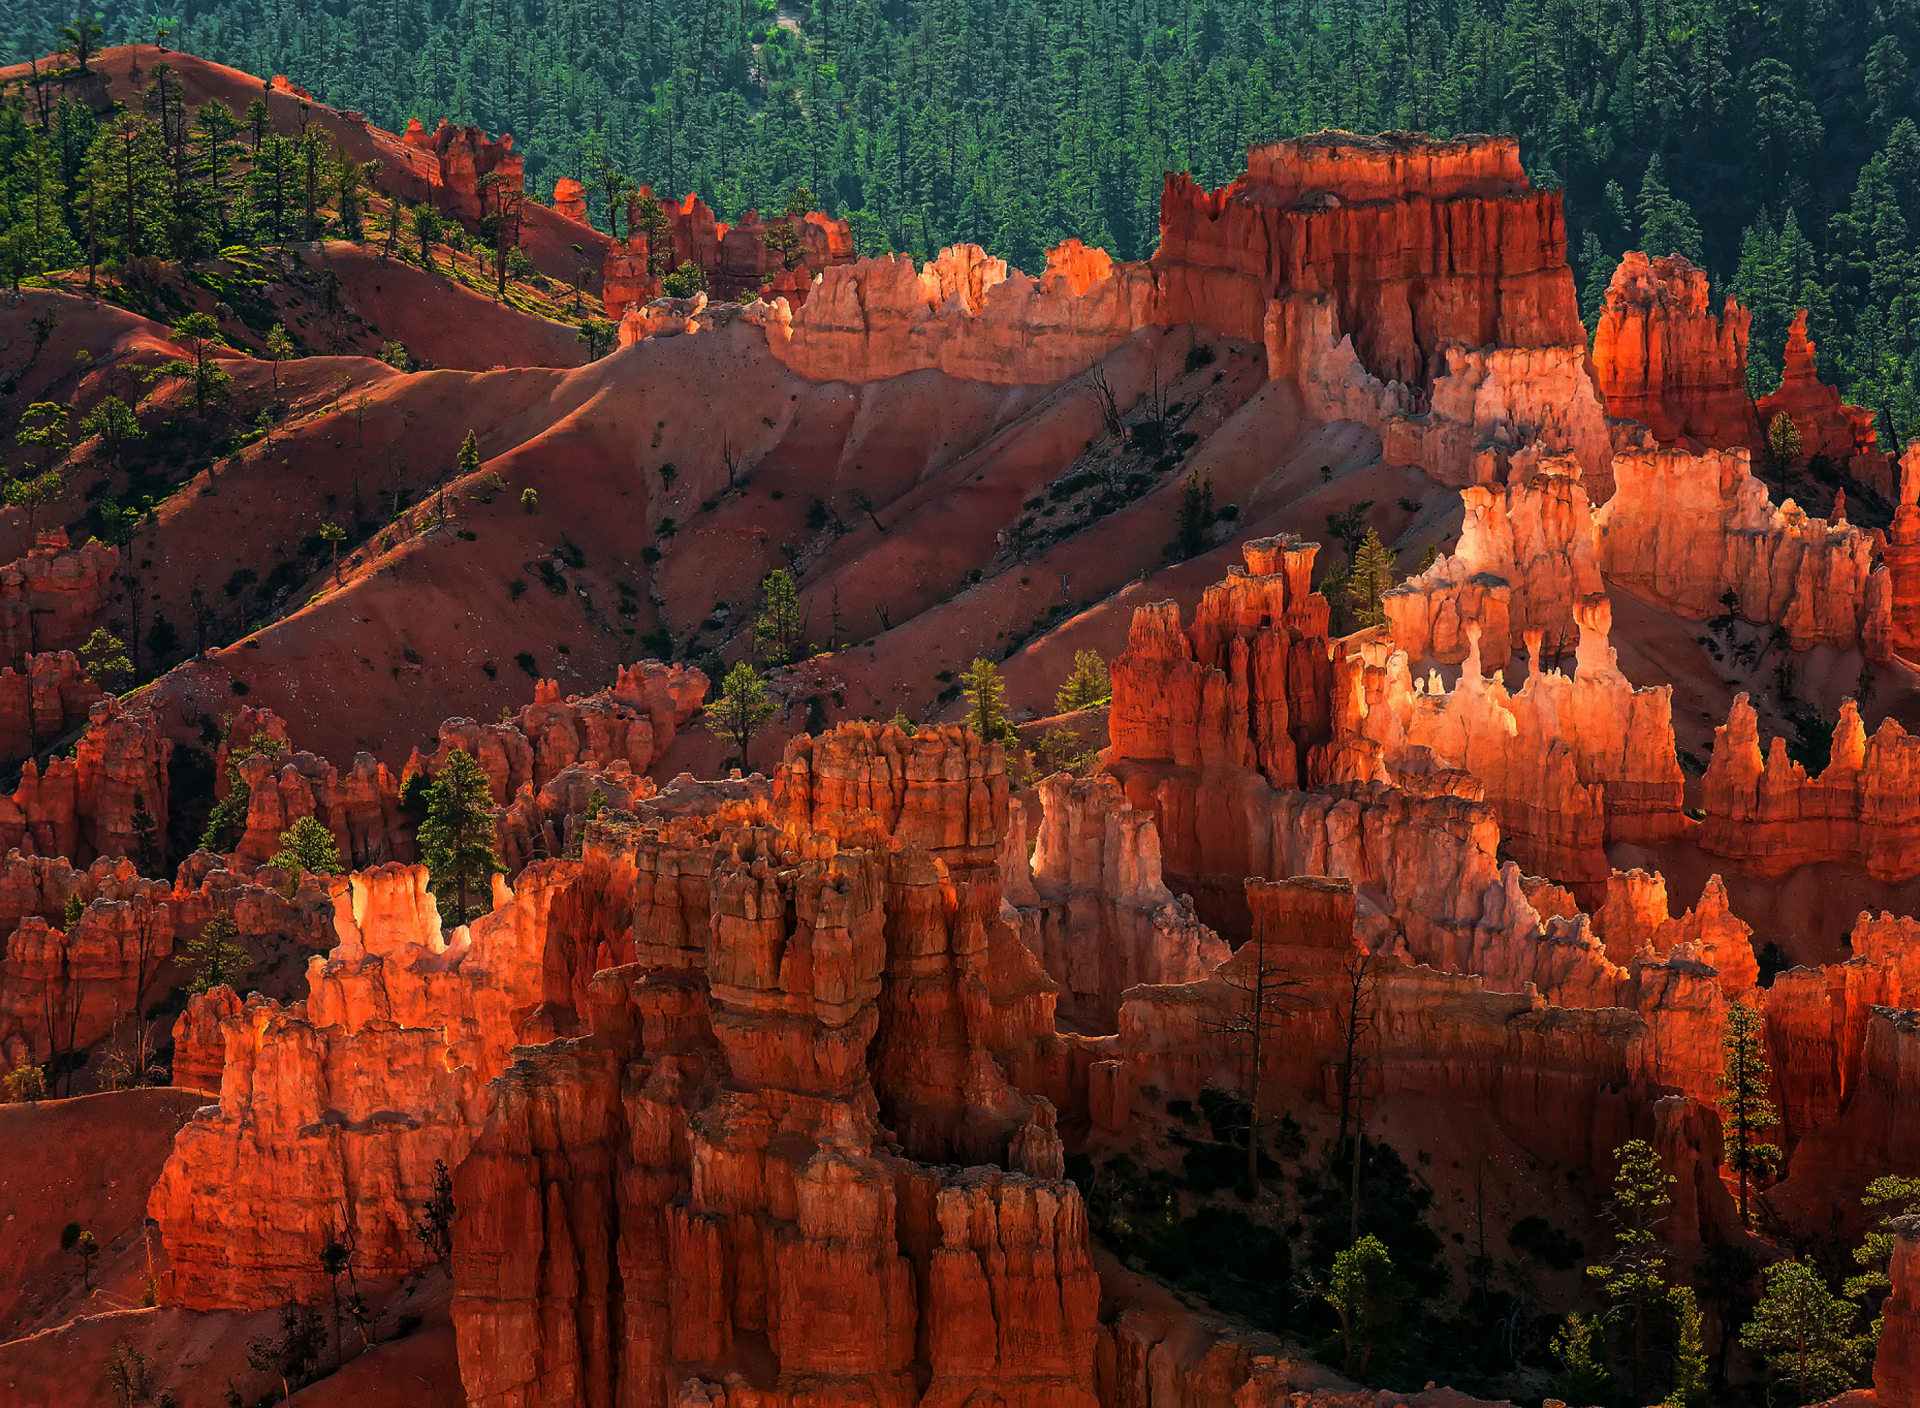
{"x": 1682, "y": 530}
{"x": 54, "y": 597}
{"x": 1635, "y": 920}
{"x": 1843, "y": 434}
{"x": 466, "y": 173}
{"x": 821, "y": 988}
{"x": 1661, "y": 357}
{"x": 1425, "y": 245}
{"x": 964, "y": 313}
{"x": 1567, "y": 762}
{"x": 1104, "y": 920}
{"x": 1524, "y": 563}
{"x": 1766, "y": 813}
{"x": 569, "y": 199}
{"x": 351, "y": 1096}
{"x": 88, "y": 805}
{"x": 41, "y": 701}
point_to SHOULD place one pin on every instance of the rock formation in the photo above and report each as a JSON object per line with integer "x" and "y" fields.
{"x": 964, "y": 313}
{"x": 570, "y": 200}
{"x": 88, "y": 805}
{"x": 1662, "y": 358}
{"x": 1104, "y": 920}
{"x": 456, "y": 162}
{"x": 773, "y": 259}
{"x": 1896, "y": 1363}
{"x": 833, "y": 947}
{"x": 1524, "y": 562}
{"x": 351, "y": 1096}
{"x": 1682, "y": 530}
{"x": 1764, "y": 812}
{"x": 1902, "y": 550}
{"x": 43, "y": 699}
{"x": 1425, "y": 246}
{"x": 1635, "y": 919}
{"x": 1568, "y": 762}
{"x": 1843, "y": 434}
{"x": 51, "y": 599}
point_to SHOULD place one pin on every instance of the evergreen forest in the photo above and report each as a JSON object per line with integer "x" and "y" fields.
{"x": 1774, "y": 142}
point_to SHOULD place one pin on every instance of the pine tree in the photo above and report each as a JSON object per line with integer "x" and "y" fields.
{"x": 214, "y": 958}
{"x": 986, "y": 708}
{"x": 1633, "y": 1279}
{"x": 740, "y": 711}
{"x": 1365, "y": 1291}
{"x": 280, "y": 348}
{"x": 780, "y": 626}
{"x": 1087, "y": 687}
{"x": 1196, "y": 514}
{"x": 1745, "y": 1080}
{"x": 1805, "y": 1332}
{"x": 1667, "y": 225}
{"x": 457, "y": 838}
{"x": 1371, "y": 579}
{"x": 307, "y": 846}
{"x": 147, "y": 856}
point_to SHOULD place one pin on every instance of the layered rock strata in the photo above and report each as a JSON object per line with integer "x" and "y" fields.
{"x": 1766, "y": 813}
{"x": 1663, "y": 358}
{"x": 90, "y": 804}
{"x": 1524, "y": 563}
{"x": 1683, "y": 530}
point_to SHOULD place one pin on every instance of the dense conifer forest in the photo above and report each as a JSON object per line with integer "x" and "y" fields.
{"x": 1773, "y": 142}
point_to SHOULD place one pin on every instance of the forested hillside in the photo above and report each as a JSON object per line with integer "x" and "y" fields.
{"x": 1772, "y": 141}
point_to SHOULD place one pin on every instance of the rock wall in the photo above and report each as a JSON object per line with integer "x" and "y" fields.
{"x": 54, "y": 597}
{"x": 1103, "y": 920}
{"x": 964, "y": 313}
{"x": 1682, "y": 530}
{"x": 1661, "y": 356}
{"x": 1524, "y": 563}
{"x": 1765, "y": 813}
{"x": 340, "y": 1105}
{"x": 1896, "y": 1363}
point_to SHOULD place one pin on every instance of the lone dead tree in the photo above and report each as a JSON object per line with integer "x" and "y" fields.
{"x": 1101, "y": 389}
{"x": 1260, "y": 987}
{"x": 1356, "y": 1019}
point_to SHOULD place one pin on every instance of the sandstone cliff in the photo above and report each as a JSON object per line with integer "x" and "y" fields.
{"x": 1662, "y": 357}
{"x": 964, "y": 313}
{"x": 1682, "y": 530}
{"x": 1766, "y": 813}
